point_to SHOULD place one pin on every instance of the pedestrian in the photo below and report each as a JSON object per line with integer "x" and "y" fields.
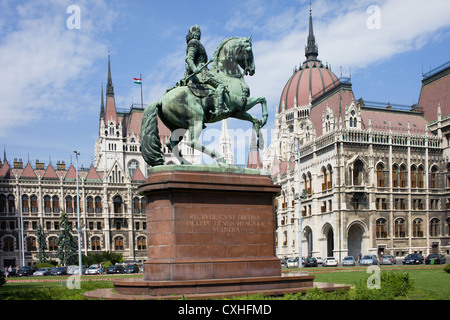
{"x": 359, "y": 257}
{"x": 9, "y": 271}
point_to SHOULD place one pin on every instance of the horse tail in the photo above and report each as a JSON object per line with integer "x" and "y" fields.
{"x": 150, "y": 141}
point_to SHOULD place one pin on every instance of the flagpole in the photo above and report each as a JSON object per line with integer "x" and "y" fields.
{"x": 142, "y": 100}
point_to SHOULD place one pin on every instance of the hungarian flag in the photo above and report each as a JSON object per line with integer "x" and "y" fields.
{"x": 137, "y": 81}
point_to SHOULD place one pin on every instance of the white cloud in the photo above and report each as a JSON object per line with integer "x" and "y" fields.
{"x": 42, "y": 61}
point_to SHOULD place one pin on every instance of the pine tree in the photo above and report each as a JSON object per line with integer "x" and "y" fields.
{"x": 67, "y": 244}
{"x": 42, "y": 245}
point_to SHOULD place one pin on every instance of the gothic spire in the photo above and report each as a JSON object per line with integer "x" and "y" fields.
{"x": 109, "y": 86}
{"x": 102, "y": 106}
{"x": 311, "y": 50}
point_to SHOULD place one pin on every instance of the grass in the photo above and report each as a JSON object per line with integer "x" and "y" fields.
{"x": 430, "y": 283}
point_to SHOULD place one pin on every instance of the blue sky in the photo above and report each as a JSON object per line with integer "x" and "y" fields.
{"x": 51, "y": 76}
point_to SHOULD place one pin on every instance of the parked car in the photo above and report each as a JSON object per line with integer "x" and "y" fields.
{"x": 319, "y": 260}
{"x": 438, "y": 259}
{"x": 76, "y": 270}
{"x": 387, "y": 259}
{"x": 348, "y": 261}
{"x": 413, "y": 258}
{"x": 310, "y": 262}
{"x": 368, "y": 259}
{"x": 58, "y": 271}
{"x": 292, "y": 263}
{"x": 42, "y": 272}
{"x": 115, "y": 269}
{"x": 132, "y": 268}
{"x": 26, "y": 271}
{"x": 330, "y": 262}
{"x": 93, "y": 269}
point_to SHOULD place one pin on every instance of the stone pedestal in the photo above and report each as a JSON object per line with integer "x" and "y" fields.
{"x": 209, "y": 225}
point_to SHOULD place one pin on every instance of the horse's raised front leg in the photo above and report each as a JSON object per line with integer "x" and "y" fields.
{"x": 257, "y": 123}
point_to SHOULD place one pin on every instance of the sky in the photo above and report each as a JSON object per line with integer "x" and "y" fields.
{"x": 54, "y": 55}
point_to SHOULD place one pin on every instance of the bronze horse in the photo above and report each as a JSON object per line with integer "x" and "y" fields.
{"x": 182, "y": 109}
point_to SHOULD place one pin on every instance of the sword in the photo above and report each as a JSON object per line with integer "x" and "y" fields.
{"x": 206, "y": 64}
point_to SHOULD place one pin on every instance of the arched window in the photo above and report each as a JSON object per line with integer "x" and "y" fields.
{"x": 69, "y": 204}
{"x": 31, "y": 244}
{"x": 400, "y": 231}
{"x": 380, "y": 176}
{"x": 55, "y": 204}
{"x": 324, "y": 175}
{"x": 47, "y": 204}
{"x": 143, "y": 205}
{"x": 309, "y": 183}
{"x": 433, "y": 177}
{"x": 136, "y": 206}
{"x": 52, "y": 246}
{"x": 417, "y": 228}
{"x": 118, "y": 208}
{"x": 420, "y": 172}
{"x": 141, "y": 243}
{"x": 381, "y": 228}
{"x": 358, "y": 173}
{"x": 90, "y": 204}
{"x": 34, "y": 203}
{"x": 98, "y": 205}
{"x": 434, "y": 227}
{"x": 413, "y": 176}
{"x": 403, "y": 176}
{"x": 11, "y": 204}
{"x": 96, "y": 244}
{"x": 118, "y": 243}
{"x": 395, "y": 172}
{"x": 25, "y": 204}
{"x": 330, "y": 176}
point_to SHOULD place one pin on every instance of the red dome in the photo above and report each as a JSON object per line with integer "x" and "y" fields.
{"x": 313, "y": 78}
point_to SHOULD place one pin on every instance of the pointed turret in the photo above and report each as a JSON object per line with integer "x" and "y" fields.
{"x": 311, "y": 50}
{"x": 102, "y": 106}
{"x": 109, "y": 85}
{"x": 110, "y": 112}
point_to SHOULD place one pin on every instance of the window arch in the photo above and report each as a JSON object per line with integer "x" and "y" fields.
{"x": 434, "y": 227}
{"x": 34, "y": 203}
{"x": 136, "y": 206}
{"x": 381, "y": 229}
{"x": 8, "y": 244}
{"x": 417, "y": 228}
{"x": 55, "y": 204}
{"x": 400, "y": 228}
{"x": 380, "y": 175}
{"x": 90, "y": 204}
{"x": 403, "y": 175}
{"x": 98, "y": 205}
{"x": 433, "y": 177}
{"x": 141, "y": 243}
{"x": 325, "y": 179}
{"x": 358, "y": 173}
{"x": 118, "y": 243}
{"x": 413, "y": 176}
{"x": 47, "y": 204}
{"x": 330, "y": 176}
{"x": 11, "y": 203}
{"x": 96, "y": 244}
{"x": 118, "y": 205}
{"x": 420, "y": 172}
{"x": 2, "y": 203}
{"x": 69, "y": 204}
{"x": 25, "y": 204}
{"x": 143, "y": 205}
{"x": 395, "y": 175}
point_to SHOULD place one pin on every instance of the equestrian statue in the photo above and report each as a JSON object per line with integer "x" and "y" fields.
{"x": 203, "y": 96}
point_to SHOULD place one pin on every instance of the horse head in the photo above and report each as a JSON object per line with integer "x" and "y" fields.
{"x": 233, "y": 53}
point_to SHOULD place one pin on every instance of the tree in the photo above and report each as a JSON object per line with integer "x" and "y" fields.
{"x": 67, "y": 245}
{"x": 42, "y": 245}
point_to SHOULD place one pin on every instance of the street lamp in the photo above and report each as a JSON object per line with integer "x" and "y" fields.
{"x": 78, "y": 214}
{"x": 300, "y": 217}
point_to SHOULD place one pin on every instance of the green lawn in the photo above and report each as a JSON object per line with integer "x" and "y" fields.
{"x": 429, "y": 283}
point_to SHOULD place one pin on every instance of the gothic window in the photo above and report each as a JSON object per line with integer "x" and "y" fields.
{"x": 90, "y": 204}
{"x": 136, "y": 206}
{"x": 433, "y": 177}
{"x": 47, "y": 205}
{"x": 118, "y": 243}
{"x": 11, "y": 204}
{"x": 132, "y": 167}
{"x": 417, "y": 228}
{"x": 31, "y": 244}
{"x": 52, "y": 246}
{"x": 25, "y": 204}
{"x": 399, "y": 228}
{"x": 98, "y": 205}
{"x": 324, "y": 182}
{"x": 434, "y": 227}
{"x": 118, "y": 207}
{"x": 34, "y": 203}
{"x": 358, "y": 173}
{"x": 55, "y": 204}
{"x": 141, "y": 243}
{"x": 403, "y": 176}
{"x": 395, "y": 173}
{"x": 69, "y": 204}
{"x": 420, "y": 183}
{"x": 143, "y": 205}
{"x": 309, "y": 183}
{"x": 381, "y": 228}
{"x": 380, "y": 176}
{"x": 96, "y": 244}
{"x": 330, "y": 176}
{"x": 413, "y": 176}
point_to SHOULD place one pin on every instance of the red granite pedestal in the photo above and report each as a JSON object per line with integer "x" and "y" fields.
{"x": 210, "y": 233}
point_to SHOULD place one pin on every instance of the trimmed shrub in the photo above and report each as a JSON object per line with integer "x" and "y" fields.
{"x": 393, "y": 284}
{"x": 447, "y": 268}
